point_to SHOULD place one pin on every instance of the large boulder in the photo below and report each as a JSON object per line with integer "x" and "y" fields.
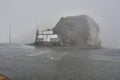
{"x": 81, "y": 31}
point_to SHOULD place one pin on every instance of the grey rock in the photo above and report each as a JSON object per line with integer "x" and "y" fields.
{"x": 80, "y": 31}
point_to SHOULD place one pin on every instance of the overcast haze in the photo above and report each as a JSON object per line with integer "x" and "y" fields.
{"x": 22, "y": 16}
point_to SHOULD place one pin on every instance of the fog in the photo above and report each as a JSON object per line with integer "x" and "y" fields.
{"x": 24, "y": 15}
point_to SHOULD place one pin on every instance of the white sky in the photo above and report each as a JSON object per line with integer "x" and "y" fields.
{"x": 23, "y": 15}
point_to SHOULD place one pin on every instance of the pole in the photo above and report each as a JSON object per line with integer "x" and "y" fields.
{"x": 10, "y": 35}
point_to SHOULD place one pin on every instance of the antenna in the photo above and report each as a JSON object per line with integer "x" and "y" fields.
{"x": 37, "y": 33}
{"x": 10, "y": 35}
{"x": 37, "y": 25}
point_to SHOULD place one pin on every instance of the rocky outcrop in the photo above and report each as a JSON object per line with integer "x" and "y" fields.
{"x": 81, "y": 31}
{"x": 3, "y": 77}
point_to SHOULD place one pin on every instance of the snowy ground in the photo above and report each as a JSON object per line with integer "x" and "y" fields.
{"x": 21, "y": 62}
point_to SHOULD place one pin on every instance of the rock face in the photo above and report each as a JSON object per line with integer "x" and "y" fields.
{"x": 3, "y": 77}
{"x": 81, "y": 31}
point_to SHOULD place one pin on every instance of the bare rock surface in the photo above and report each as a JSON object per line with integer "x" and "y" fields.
{"x": 80, "y": 31}
{"x": 3, "y": 77}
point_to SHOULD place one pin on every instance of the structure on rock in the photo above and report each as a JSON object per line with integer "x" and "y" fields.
{"x": 81, "y": 31}
{"x": 46, "y": 38}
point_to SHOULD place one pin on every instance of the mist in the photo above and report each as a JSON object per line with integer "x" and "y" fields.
{"x": 24, "y": 15}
